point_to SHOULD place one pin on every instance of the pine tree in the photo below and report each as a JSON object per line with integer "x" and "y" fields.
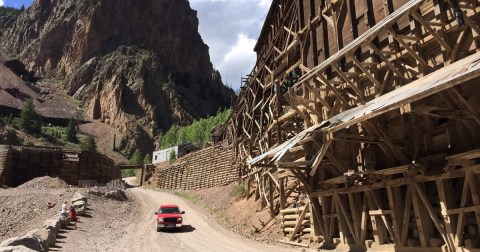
{"x": 147, "y": 159}
{"x": 30, "y": 121}
{"x": 88, "y": 144}
{"x": 22, "y": 9}
{"x": 136, "y": 158}
{"x": 71, "y": 132}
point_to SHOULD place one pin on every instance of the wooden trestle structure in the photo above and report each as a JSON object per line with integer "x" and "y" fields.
{"x": 370, "y": 109}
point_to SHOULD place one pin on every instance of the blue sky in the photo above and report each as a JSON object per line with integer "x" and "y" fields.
{"x": 229, "y": 27}
{"x": 16, "y": 3}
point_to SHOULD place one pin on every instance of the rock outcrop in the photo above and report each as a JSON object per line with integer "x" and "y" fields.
{"x": 138, "y": 65}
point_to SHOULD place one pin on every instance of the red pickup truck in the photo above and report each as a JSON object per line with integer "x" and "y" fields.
{"x": 169, "y": 216}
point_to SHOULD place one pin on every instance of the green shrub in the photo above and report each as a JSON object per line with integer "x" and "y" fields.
{"x": 128, "y": 173}
{"x": 88, "y": 144}
{"x": 173, "y": 157}
{"x": 9, "y": 119}
{"x": 197, "y": 133}
{"x": 137, "y": 157}
{"x": 9, "y": 11}
{"x": 147, "y": 159}
{"x": 30, "y": 121}
{"x": 239, "y": 191}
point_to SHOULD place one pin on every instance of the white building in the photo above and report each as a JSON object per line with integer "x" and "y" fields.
{"x": 164, "y": 155}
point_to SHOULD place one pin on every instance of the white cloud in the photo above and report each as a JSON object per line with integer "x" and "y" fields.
{"x": 230, "y": 28}
{"x": 265, "y": 3}
{"x": 2, "y": 2}
{"x": 238, "y": 61}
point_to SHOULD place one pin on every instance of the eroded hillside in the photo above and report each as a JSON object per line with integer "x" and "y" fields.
{"x": 139, "y": 66}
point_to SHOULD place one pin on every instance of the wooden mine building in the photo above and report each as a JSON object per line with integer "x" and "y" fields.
{"x": 370, "y": 108}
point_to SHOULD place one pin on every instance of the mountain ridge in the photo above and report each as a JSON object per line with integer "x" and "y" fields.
{"x": 137, "y": 65}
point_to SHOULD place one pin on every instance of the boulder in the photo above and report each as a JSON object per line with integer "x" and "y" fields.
{"x": 121, "y": 194}
{"x": 53, "y": 225}
{"x": 52, "y": 237}
{"x": 118, "y": 195}
{"x": 96, "y": 193}
{"x": 47, "y": 237}
{"x": 80, "y": 207}
{"x": 63, "y": 221}
{"x": 15, "y": 249}
{"x": 79, "y": 197}
{"x": 29, "y": 241}
{"x": 111, "y": 195}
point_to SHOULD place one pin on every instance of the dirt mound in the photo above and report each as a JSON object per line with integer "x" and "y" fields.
{"x": 44, "y": 183}
{"x": 242, "y": 216}
{"x": 23, "y": 209}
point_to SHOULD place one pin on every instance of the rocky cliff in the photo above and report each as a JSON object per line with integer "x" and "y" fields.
{"x": 138, "y": 65}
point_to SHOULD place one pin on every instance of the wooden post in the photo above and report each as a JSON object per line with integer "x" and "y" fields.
{"x": 282, "y": 193}
{"x": 114, "y": 142}
{"x": 141, "y": 176}
{"x": 421, "y": 216}
{"x": 315, "y": 214}
{"x": 270, "y": 195}
{"x": 395, "y": 204}
{"x": 445, "y": 194}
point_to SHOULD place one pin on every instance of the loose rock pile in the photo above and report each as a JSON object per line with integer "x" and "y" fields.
{"x": 44, "y": 183}
{"x": 118, "y": 195}
{"x": 43, "y": 238}
{"x": 29, "y": 214}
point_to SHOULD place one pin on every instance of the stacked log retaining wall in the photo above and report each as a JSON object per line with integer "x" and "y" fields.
{"x": 21, "y": 164}
{"x": 202, "y": 169}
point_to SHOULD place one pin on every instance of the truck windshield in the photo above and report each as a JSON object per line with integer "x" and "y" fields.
{"x": 169, "y": 210}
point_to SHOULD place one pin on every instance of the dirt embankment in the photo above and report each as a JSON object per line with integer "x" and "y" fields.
{"x": 245, "y": 217}
{"x": 25, "y": 208}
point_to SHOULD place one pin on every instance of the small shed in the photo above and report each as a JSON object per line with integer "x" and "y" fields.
{"x": 164, "y": 154}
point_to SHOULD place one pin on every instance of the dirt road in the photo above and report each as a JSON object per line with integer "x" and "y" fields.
{"x": 199, "y": 234}
{"x": 131, "y": 226}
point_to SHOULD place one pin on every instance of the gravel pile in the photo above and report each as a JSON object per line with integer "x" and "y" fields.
{"x": 25, "y": 207}
{"x": 44, "y": 183}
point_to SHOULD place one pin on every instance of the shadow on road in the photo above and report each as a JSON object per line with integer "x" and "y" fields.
{"x": 186, "y": 229}
{"x": 87, "y": 215}
{"x": 183, "y": 229}
{"x": 128, "y": 186}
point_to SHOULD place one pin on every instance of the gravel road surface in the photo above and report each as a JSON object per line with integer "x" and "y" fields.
{"x": 131, "y": 226}
{"x": 199, "y": 234}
